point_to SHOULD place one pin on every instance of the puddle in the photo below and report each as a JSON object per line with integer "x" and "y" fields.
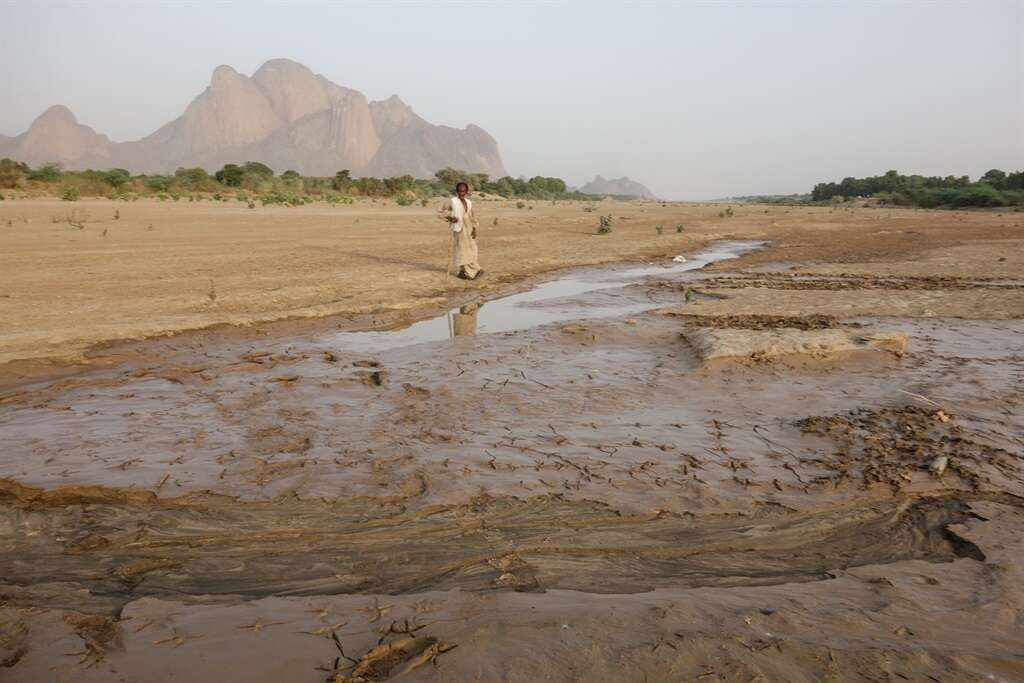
{"x": 539, "y": 306}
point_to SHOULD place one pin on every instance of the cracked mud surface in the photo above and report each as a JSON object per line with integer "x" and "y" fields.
{"x": 579, "y": 500}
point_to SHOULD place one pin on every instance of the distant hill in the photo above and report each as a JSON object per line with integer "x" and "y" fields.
{"x": 284, "y": 116}
{"x": 617, "y": 186}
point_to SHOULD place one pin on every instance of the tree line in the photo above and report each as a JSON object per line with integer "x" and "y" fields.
{"x": 994, "y": 188}
{"x": 253, "y": 181}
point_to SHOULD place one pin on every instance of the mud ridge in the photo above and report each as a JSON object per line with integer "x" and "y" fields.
{"x": 53, "y": 552}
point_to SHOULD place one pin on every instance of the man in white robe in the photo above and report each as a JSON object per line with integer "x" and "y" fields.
{"x": 457, "y": 212}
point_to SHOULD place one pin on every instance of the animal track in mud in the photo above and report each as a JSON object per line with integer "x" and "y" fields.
{"x": 61, "y": 551}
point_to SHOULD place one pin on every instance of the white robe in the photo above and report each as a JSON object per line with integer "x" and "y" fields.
{"x": 464, "y": 251}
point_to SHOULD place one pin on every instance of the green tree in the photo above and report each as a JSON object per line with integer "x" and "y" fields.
{"x": 231, "y": 175}
{"x": 116, "y": 177}
{"x": 12, "y": 172}
{"x": 258, "y": 169}
{"x": 193, "y": 178}
{"x": 48, "y": 173}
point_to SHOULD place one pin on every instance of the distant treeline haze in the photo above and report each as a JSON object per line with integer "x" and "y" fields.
{"x": 995, "y": 188}
{"x": 253, "y": 181}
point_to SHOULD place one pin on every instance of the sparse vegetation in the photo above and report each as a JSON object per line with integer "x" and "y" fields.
{"x": 660, "y": 229}
{"x": 679, "y": 228}
{"x": 70, "y": 194}
{"x": 604, "y": 225}
{"x": 254, "y": 181}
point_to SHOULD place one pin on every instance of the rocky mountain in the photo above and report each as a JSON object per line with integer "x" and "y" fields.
{"x": 284, "y": 116}
{"x": 617, "y": 186}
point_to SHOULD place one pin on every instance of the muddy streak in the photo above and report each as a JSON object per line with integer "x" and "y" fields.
{"x": 210, "y": 545}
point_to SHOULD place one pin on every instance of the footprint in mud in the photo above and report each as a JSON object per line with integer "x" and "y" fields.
{"x": 371, "y": 373}
{"x": 277, "y": 439}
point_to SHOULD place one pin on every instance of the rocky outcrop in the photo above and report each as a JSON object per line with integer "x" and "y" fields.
{"x": 57, "y": 136}
{"x": 284, "y": 116}
{"x": 617, "y": 186}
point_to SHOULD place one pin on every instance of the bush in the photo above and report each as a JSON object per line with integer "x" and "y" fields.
{"x": 679, "y": 228}
{"x": 660, "y": 229}
{"x": 520, "y": 205}
{"x": 116, "y": 177}
{"x": 70, "y": 194}
{"x": 981, "y": 194}
{"x": 12, "y": 173}
{"x": 605, "y": 225}
{"x": 48, "y": 173}
{"x": 404, "y": 200}
{"x": 158, "y": 183}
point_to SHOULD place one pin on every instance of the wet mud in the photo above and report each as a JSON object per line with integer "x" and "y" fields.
{"x": 485, "y": 496}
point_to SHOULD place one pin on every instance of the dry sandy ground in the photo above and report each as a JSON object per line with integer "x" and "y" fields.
{"x": 164, "y": 266}
{"x": 588, "y": 499}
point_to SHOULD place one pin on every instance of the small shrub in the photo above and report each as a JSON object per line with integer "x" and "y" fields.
{"x": 216, "y": 196}
{"x": 162, "y": 197}
{"x": 520, "y": 205}
{"x": 679, "y": 227}
{"x": 242, "y": 197}
{"x": 660, "y": 229}
{"x": 252, "y": 204}
{"x": 175, "y": 196}
{"x": 404, "y": 200}
{"x": 70, "y": 194}
{"x": 590, "y": 209}
{"x": 495, "y": 223}
{"x": 605, "y": 225}
{"x": 728, "y": 211}
{"x": 424, "y": 202}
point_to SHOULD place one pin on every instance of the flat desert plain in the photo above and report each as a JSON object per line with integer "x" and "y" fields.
{"x": 265, "y": 444}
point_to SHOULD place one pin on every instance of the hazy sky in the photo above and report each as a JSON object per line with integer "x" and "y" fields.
{"x": 696, "y": 100}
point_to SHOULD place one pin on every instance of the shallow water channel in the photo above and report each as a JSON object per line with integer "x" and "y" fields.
{"x": 538, "y": 306}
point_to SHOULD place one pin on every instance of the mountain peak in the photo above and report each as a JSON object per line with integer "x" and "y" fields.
{"x": 284, "y": 66}
{"x": 223, "y": 74}
{"x": 58, "y": 113}
{"x": 616, "y": 186}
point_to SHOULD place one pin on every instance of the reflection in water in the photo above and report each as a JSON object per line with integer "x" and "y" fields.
{"x": 463, "y": 323}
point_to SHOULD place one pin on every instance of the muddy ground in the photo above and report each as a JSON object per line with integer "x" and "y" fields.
{"x": 575, "y": 493}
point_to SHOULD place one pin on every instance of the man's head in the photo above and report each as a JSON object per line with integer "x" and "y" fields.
{"x": 462, "y": 189}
